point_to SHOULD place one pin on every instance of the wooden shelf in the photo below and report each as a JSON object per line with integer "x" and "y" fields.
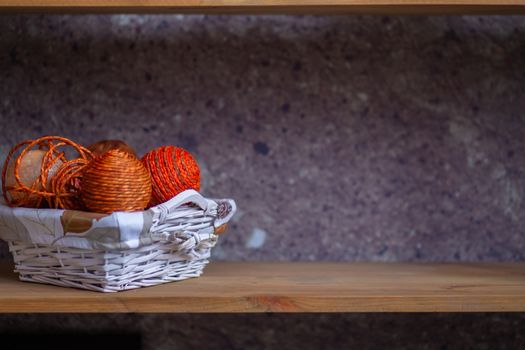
{"x": 294, "y": 287}
{"x": 267, "y": 6}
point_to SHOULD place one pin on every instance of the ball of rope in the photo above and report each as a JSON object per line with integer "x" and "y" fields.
{"x": 172, "y": 170}
{"x": 36, "y": 188}
{"x": 115, "y": 181}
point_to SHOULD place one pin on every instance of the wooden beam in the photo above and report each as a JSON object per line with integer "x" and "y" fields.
{"x": 267, "y": 6}
{"x": 294, "y": 287}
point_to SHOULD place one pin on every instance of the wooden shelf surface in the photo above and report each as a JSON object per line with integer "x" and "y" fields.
{"x": 267, "y": 6}
{"x": 294, "y": 287}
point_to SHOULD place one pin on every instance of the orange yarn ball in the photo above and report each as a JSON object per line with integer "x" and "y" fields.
{"x": 101, "y": 147}
{"x": 35, "y": 175}
{"x": 66, "y": 184}
{"x": 115, "y": 181}
{"x": 172, "y": 170}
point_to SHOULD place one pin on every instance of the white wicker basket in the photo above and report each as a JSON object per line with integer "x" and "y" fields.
{"x": 121, "y": 251}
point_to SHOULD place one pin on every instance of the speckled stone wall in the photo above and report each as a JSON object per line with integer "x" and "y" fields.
{"x": 341, "y": 138}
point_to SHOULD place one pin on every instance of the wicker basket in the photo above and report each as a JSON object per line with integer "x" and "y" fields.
{"x": 110, "y": 253}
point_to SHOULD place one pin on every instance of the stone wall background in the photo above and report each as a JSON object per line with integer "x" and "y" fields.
{"x": 341, "y": 138}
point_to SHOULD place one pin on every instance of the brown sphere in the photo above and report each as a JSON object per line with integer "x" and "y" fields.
{"x": 101, "y": 147}
{"x": 29, "y": 173}
{"x": 115, "y": 181}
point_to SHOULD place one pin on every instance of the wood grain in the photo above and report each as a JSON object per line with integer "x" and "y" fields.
{"x": 268, "y": 6}
{"x": 295, "y": 287}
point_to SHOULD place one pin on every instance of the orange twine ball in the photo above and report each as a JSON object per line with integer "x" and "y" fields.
{"x": 101, "y": 147}
{"x": 35, "y": 185}
{"x": 115, "y": 181}
{"x": 66, "y": 183}
{"x": 172, "y": 170}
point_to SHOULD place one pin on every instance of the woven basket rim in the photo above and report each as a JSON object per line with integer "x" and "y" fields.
{"x": 188, "y": 211}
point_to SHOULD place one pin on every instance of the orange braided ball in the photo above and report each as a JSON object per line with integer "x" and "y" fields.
{"x": 66, "y": 184}
{"x": 101, "y": 147}
{"x": 115, "y": 181}
{"x": 172, "y": 170}
{"x": 27, "y": 178}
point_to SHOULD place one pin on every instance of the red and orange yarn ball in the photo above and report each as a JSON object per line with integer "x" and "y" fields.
{"x": 172, "y": 170}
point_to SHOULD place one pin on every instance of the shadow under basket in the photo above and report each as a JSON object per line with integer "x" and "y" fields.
{"x": 169, "y": 242}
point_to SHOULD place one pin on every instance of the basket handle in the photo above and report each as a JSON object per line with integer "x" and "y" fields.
{"x": 226, "y": 208}
{"x": 221, "y": 209}
{"x": 188, "y": 196}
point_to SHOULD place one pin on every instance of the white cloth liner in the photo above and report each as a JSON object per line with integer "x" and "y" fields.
{"x": 119, "y": 230}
